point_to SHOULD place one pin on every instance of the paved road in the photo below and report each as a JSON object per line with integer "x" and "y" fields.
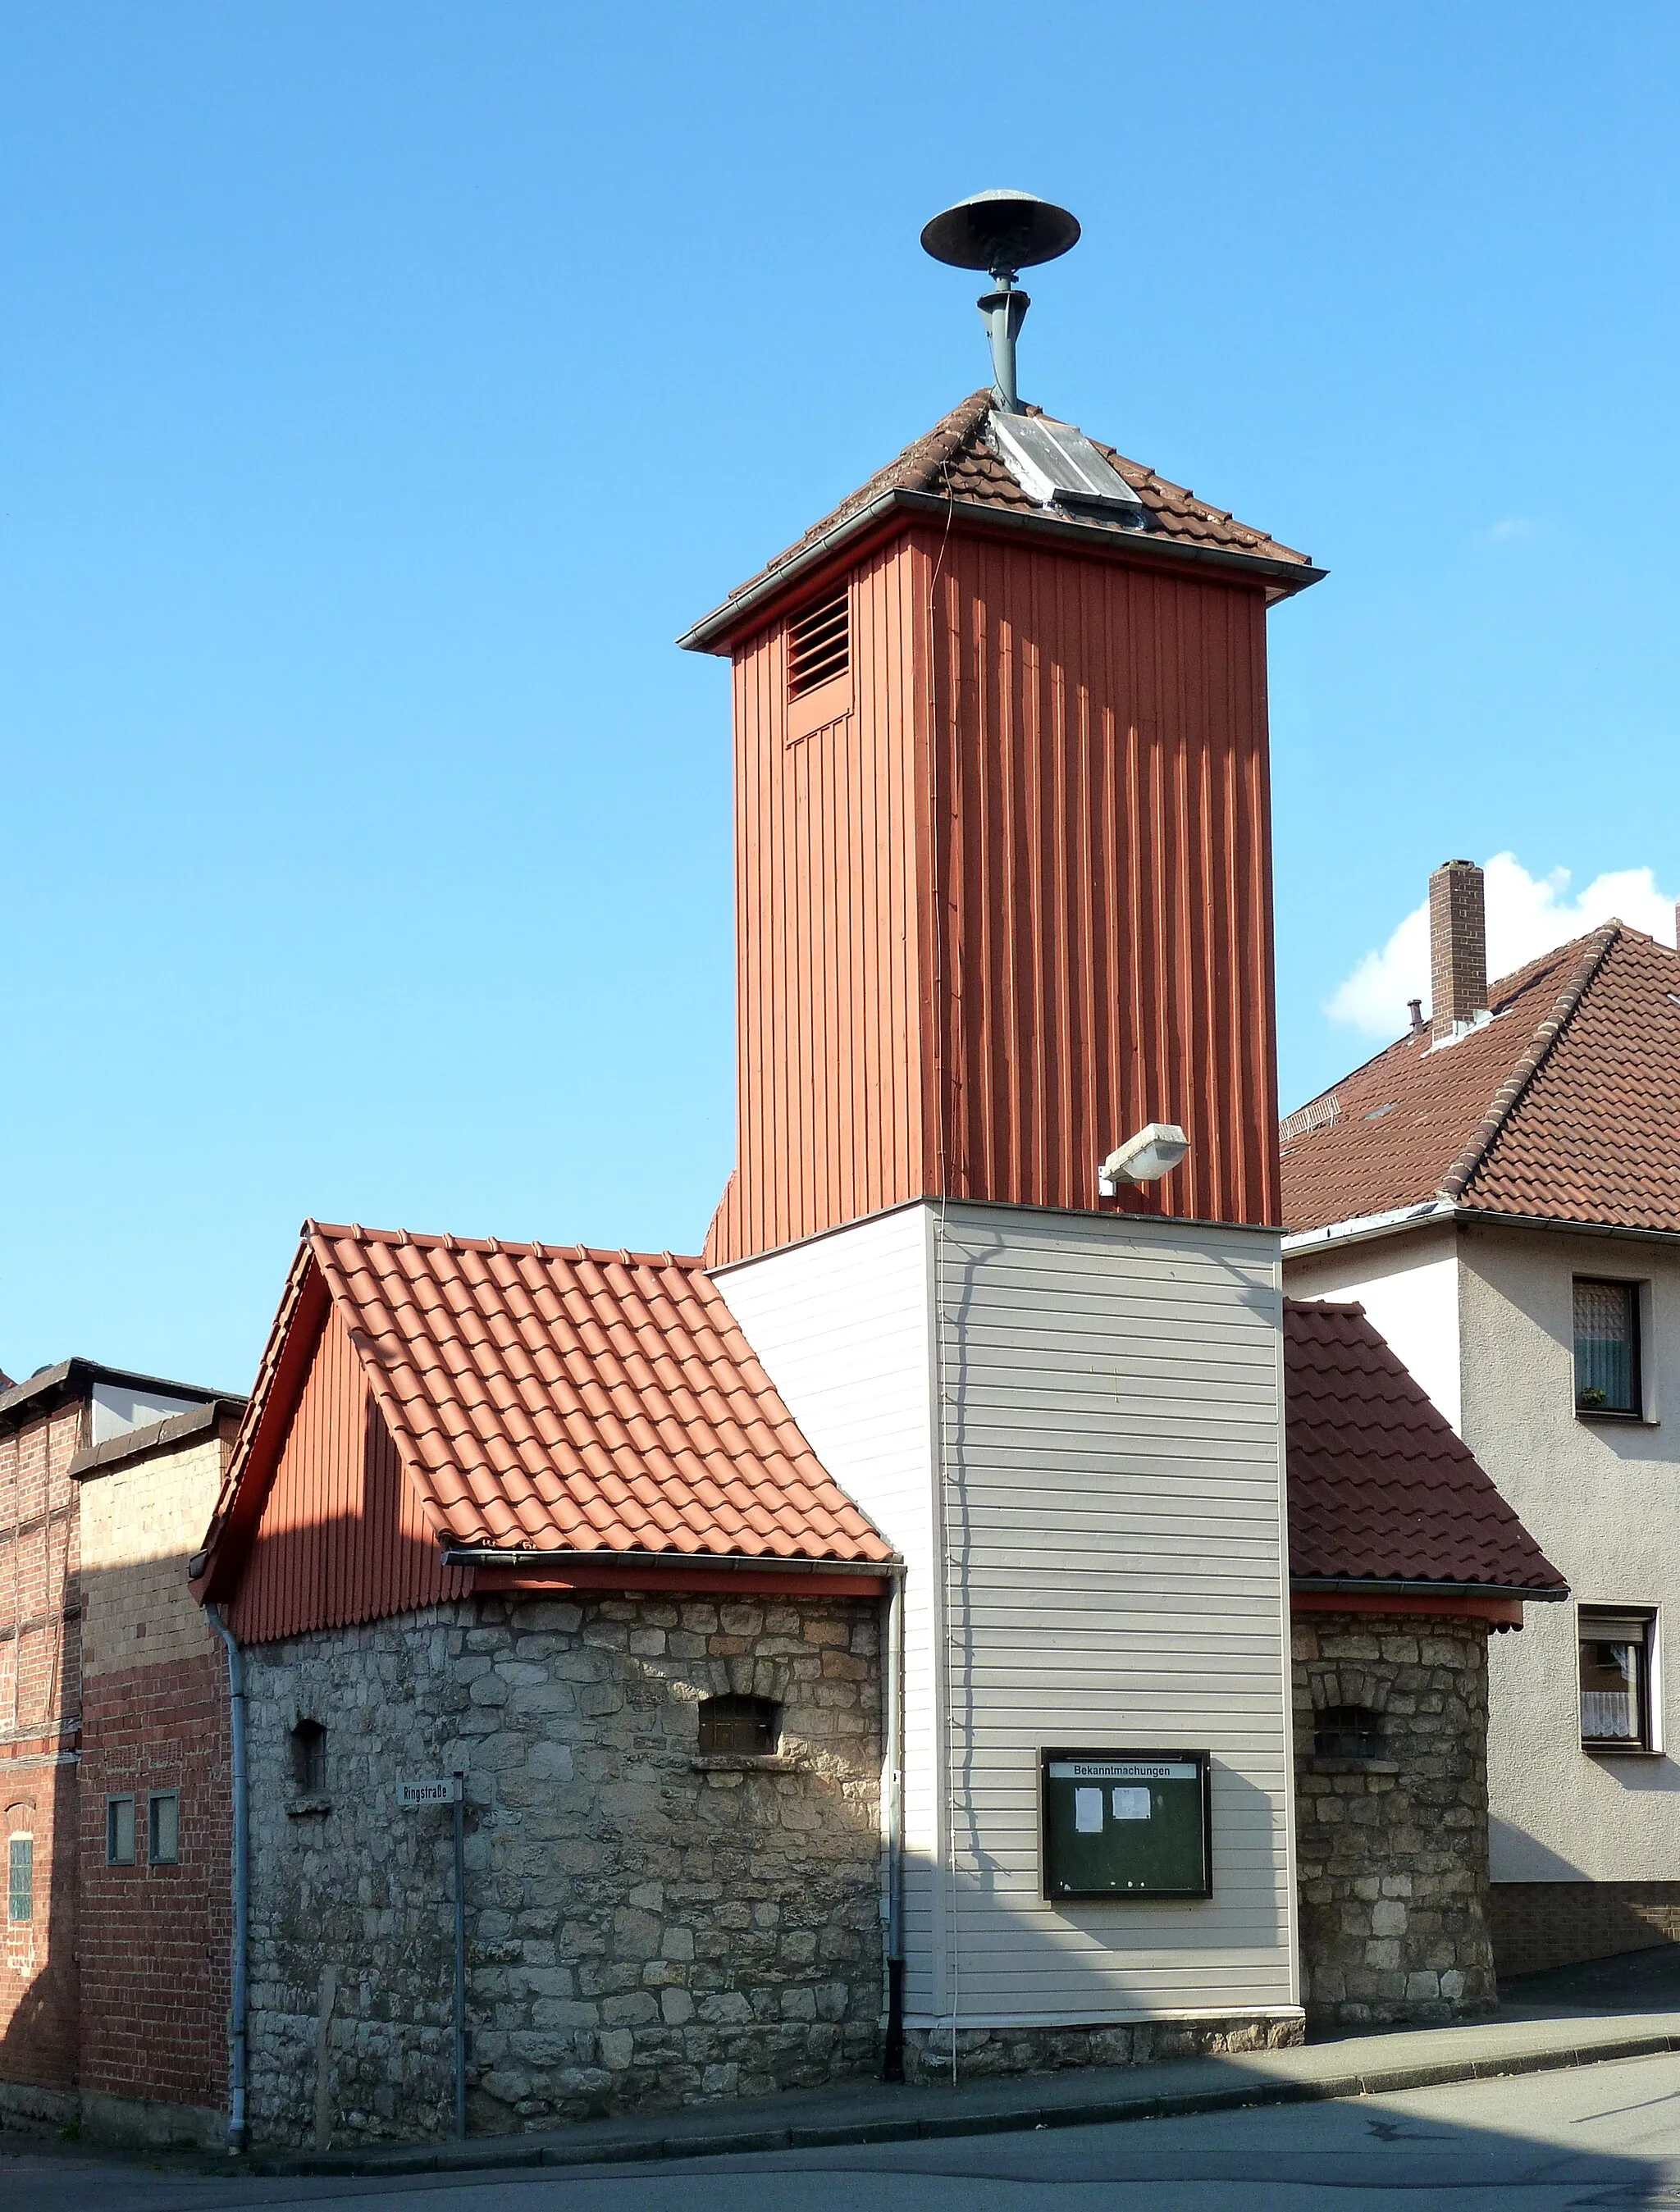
{"x": 1601, "y": 2137}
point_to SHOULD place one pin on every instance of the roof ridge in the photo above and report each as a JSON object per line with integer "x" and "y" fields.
{"x": 537, "y": 1248}
{"x": 1488, "y": 1130}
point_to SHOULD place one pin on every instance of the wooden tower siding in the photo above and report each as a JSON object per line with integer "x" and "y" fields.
{"x": 1014, "y": 902}
{"x": 342, "y": 1537}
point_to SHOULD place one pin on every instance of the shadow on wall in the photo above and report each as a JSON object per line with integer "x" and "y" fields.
{"x": 38, "y": 1988}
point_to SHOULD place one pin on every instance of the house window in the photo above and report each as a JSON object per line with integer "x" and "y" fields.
{"x": 120, "y": 1831}
{"x": 1348, "y": 1732}
{"x": 309, "y": 1759}
{"x": 739, "y": 1728}
{"x": 20, "y": 1903}
{"x": 1615, "y": 1656}
{"x": 1607, "y": 1364}
{"x": 163, "y": 1827}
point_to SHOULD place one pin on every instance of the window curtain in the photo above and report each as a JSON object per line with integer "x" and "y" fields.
{"x": 1604, "y": 1347}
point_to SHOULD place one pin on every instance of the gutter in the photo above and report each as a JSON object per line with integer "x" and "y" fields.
{"x": 239, "y": 2004}
{"x": 1371, "y": 1586}
{"x": 709, "y": 632}
{"x": 527, "y": 1562}
{"x": 1364, "y": 1227}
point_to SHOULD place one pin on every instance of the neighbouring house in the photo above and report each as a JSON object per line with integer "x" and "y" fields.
{"x": 871, "y": 1641}
{"x": 1501, "y": 1190}
{"x": 67, "y": 1968}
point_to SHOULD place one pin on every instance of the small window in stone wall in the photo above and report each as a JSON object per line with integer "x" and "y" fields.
{"x": 309, "y": 1759}
{"x": 741, "y": 1728}
{"x": 1347, "y": 1732}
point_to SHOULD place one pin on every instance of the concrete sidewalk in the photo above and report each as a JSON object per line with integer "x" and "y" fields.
{"x": 1536, "y": 2040}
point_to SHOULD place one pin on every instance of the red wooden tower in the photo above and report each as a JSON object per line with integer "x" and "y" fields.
{"x": 1003, "y": 839}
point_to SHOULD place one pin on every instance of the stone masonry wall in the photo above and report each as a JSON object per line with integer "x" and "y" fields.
{"x": 1392, "y": 1851}
{"x": 644, "y": 1927}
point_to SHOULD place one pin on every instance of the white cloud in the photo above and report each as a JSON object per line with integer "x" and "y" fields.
{"x": 1526, "y": 916}
{"x": 1514, "y": 525}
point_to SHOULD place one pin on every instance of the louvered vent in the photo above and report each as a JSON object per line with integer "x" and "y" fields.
{"x": 820, "y": 645}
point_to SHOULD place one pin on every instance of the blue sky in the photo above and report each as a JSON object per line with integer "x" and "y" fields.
{"x": 386, "y": 386}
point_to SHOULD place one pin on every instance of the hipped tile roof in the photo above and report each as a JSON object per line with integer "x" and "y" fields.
{"x": 954, "y": 460}
{"x": 1565, "y": 1106}
{"x": 1380, "y": 1486}
{"x": 562, "y": 1398}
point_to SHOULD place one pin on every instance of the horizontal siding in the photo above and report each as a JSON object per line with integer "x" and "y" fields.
{"x": 1107, "y": 1399}
{"x": 1111, "y": 1446}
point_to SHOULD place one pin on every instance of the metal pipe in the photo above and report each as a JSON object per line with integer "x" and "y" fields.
{"x": 892, "y": 2064}
{"x": 239, "y": 1993}
{"x": 1005, "y": 311}
{"x": 461, "y": 1954}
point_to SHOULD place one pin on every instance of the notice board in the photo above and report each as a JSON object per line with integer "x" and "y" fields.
{"x": 1126, "y": 1824}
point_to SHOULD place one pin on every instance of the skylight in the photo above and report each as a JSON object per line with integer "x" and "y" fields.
{"x": 1058, "y": 466}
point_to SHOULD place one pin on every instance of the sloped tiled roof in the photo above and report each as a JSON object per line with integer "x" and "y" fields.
{"x": 1380, "y": 1487}
{"x": 954, "y": 460}
{"x": 1565, "y": 1106}
{"x": 561, "y": 1398}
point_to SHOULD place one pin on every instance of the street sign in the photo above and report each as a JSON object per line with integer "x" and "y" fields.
{"x": 412, "y": 1795}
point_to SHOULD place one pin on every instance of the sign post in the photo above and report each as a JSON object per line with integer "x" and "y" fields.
{"x": 413, "y": 1797}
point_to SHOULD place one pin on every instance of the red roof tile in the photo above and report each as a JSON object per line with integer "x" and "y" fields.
{"x": 560, "y": 1399}
{"x": 1380, "y": 1486}
{"x": 954, "y": 460}
{"x": 1565, "y": 1106}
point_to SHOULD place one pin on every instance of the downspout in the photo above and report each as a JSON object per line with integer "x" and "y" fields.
{"x": 892, "y": 2063}
{"x": 236, "y": 2053}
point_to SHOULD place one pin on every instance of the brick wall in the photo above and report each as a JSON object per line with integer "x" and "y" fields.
{"x": 39, "y": 1702}
{"x": 1538, "y": 1924}
{"x": 141, "y": 1520}
{"x": 155, "y": 1940}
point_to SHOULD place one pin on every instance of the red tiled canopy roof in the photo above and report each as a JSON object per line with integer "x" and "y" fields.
{"x": 1565, "y": 1106}
{"x": 954, "y": 461}
{"x": 557, "y": 1399}
{"x": 1380, "y": 1486}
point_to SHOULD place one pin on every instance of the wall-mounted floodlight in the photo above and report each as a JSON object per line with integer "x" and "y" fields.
{"x": 1155, "y": 1150}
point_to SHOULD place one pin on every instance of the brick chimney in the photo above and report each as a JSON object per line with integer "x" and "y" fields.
{"x": 1458, "y": 948}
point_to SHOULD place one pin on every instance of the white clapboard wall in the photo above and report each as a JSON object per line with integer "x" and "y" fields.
{"x": 1082, "y": 1466}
